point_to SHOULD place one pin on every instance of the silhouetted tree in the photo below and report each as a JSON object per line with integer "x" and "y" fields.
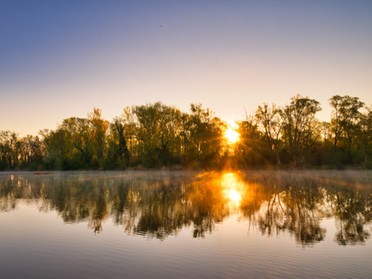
{"x": 157, "y": 135}
{"x": 118, "y": 154}
{"x": 299, "y": 130}
{"x": 345, "y": 126}
{"x": 271, "y": 121}
{"x": 202, "y": 137}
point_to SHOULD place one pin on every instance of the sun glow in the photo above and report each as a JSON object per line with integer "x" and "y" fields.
{"x": 234, "y": 196}
{"x": 232, "y": 189}
{"x": 231, "y": 134}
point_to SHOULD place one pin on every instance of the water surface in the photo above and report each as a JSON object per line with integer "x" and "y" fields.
{"x": 258, "y": 224}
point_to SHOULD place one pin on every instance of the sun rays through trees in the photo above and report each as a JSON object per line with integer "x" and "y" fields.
{"x": 157, "y": 136}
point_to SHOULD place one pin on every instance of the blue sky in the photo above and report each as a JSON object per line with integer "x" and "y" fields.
{"x": 62, "y": 58}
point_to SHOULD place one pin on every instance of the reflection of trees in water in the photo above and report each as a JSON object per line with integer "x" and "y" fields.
{"x": 305, "y": 209}
{"x": 297, "y": 210}
{"x": 286, "y": 205}
{"x": 352, "y": 211}
{"x": 298, "y": 204}
{"x": 207, "y": 205}
{"x": 161, "y": 205}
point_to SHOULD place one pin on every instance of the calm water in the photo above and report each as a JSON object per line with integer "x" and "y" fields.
{"x": 299, "y": 224}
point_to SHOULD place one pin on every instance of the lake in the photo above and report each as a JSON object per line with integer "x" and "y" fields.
{"x": 181, "y": 224}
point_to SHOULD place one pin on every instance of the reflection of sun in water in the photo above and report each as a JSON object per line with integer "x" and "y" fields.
{"x": 231, "y": 134}
{"x": 234, "y": 196}
{"x": 232, "y": 189}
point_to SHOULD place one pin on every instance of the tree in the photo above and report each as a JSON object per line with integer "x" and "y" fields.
{"x": 31, "y": 153}
{"x": 98, "y": 131}
{"x": 130, "y": 132}
{"x": 202, "y": 137}
{"x": 78, "y": 132}
{"x": 250, "y": 150}
{"x": 299, "y": 127}
{"x": 271, "y": 122}
{"x": 118, "y": 153}
{"x": 158, "y": 133}
{"x": 72, "y": 145}
{"x": 365, "y": 135}
{"x": 58, "y": 146}
{"x": 345, "y": 122}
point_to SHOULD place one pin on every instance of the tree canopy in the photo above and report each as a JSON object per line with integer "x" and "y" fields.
{"x": 157, "y": 135}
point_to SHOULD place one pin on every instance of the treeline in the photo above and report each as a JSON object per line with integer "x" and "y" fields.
{"x": 157, "y": 135}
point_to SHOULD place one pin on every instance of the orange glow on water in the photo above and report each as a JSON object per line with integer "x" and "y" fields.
{"x": 232, "y": 189}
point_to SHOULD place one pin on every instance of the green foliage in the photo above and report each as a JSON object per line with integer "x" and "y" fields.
{"x": 118, "y": 156}
{"x": 202, "y": 137}
{"x": 156, "y": 136}
{"x": 346, "y": 127}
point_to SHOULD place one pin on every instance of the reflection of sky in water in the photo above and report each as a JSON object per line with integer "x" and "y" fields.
{"x": 245, "y": 224}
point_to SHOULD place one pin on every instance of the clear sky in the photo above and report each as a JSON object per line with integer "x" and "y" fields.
{"x": 62, "y": 58}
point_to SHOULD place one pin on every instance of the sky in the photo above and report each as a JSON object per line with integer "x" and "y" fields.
{"x": 63, "y": 58}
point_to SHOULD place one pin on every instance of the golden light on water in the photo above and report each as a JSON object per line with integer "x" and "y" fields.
{"x": 232, "y": 189}
{"x": 231, "y": 134}
{"x": 234, "y": 196}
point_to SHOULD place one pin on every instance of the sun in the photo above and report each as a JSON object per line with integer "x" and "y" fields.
{"x": 231, "y": 135}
